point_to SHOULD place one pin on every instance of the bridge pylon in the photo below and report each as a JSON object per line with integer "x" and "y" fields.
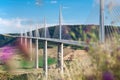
{"x": 101, "y": 27}
{"x": 60, "y": 22}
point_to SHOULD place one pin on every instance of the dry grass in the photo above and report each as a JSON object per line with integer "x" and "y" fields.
{"x": 99, "y": 63}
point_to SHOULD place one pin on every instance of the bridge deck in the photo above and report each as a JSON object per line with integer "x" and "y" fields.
{"x": 70, "y": 42}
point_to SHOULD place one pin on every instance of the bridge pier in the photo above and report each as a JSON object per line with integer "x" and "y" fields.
{"x": 21, "y": 38}
{"x": 30, "y": 49}
{"x": 36, "y": 55}
{"x": 25, "y": 39}
{"x": 45, "y": 61}
{"x": 30, "y": 40}
{"x": 60, "y": 57}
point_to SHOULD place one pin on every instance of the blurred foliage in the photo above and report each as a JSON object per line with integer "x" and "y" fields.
{"x": 106, "y": 58}
{"x": 6, "y": 76}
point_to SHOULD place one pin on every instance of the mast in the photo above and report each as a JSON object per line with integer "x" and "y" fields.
{"x": 101, "y": 28}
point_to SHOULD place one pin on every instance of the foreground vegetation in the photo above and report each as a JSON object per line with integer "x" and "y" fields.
{"x": 103, "y": 65}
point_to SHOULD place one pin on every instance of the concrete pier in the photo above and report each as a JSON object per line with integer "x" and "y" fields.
{"x": 60, "y": 57}
{"x": 31, "y": 58}
{"x": 36, "y": 49}
{"x": 45, "y": 59}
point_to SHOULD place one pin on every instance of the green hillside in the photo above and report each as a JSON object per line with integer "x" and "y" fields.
{"x": 5, "y": 40}
{"x": 88, "y": 33}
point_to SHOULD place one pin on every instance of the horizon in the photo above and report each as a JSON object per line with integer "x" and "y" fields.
{"x": 97, "y": 25}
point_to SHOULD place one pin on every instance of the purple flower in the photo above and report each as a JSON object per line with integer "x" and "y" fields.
{"x": 6, "y": 53}
{"x": 107, "y": 76}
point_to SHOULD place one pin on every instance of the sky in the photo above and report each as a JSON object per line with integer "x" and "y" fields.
{"x": 17, "y": 15}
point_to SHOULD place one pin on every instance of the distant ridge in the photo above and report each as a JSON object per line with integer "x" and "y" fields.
{"x": 5, "y": 40}
{"x": 89, "y": 32}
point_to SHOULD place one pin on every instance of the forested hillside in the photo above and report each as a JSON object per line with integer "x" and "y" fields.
{"x": 88, "y": 33}
{"x": 5, "y": 40}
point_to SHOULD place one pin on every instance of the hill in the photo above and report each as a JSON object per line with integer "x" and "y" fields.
{"x": 69, "y": 32}
{"x": 5, "y": 40}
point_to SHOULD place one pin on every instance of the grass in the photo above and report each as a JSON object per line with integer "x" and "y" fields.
{"x": 50, "y": 61}
{"x": 28, "y": 64}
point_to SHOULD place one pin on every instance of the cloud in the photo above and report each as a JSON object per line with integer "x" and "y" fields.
{"x": 53, "y": 2}
{"x": 11, "y": 25}
{"x": 16, "y": 22}
{"x": 107, "y": 2}
{"x": 65, "y": 7}
{"x": 15, "y": 25}
{"x": 38, "y": 2}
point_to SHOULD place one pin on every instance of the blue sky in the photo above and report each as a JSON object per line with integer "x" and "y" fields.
{"x": 16, "y": 15}
{"x": 49, "y": 8}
